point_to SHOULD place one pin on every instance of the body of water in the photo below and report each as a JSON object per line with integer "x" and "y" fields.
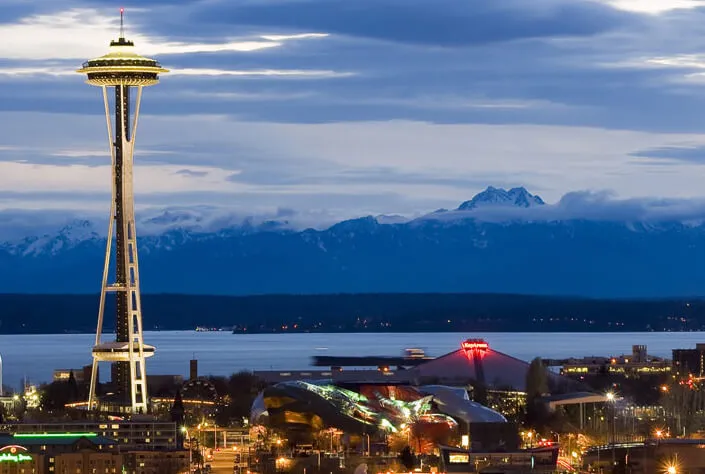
{"x": 222, "y": 353}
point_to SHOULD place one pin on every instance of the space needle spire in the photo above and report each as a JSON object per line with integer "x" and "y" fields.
{"x": 122, "y": 23}
{"x": 118, "y": 73}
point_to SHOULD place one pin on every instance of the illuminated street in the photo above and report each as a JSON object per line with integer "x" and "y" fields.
{"x": 222, "y": 461}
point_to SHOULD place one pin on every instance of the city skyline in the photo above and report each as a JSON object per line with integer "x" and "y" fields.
{"x": 391, "y": 110}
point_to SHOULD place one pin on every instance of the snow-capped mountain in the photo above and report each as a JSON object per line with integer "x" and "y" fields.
{"x": 499, "y": 241}
{"x": 518, "y": 197}
{"x": 71, "y": 235}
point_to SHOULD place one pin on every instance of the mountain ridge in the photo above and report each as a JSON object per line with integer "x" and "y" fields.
{"x": 504, "y": 242}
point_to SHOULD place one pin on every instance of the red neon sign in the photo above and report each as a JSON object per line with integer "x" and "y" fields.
{"x": 475, "y": 345}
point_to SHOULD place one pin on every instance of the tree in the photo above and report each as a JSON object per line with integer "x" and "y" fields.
{"x": 242, "y": 389}
{"x": 536, "y": 379}
{"x": 536, "y": 387}
{"x": 19, "y": 408}
{"x": 407, "y": 458}
{"x": 683, "y": 403}
{"x": 72, "y": 387}
{"x": 55, "y": 396}
{"x": 479, "y": 392}
{"x": 177, "y": 410}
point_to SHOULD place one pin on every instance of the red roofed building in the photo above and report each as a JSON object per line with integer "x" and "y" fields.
{"x": 475, "y": 361}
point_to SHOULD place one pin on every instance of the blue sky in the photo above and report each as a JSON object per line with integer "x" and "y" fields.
{"x": 349, "y": 107}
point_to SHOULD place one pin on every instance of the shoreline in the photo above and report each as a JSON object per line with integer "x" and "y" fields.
{"x": 400, "y": 331}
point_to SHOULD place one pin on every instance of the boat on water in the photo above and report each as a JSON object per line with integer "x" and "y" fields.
{"x": 210, "y": 329}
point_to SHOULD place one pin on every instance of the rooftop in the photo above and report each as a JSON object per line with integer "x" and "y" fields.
{"x": 41, "y": 439}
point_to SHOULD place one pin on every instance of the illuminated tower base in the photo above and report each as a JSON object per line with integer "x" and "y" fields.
{"x": 122, "y": 70}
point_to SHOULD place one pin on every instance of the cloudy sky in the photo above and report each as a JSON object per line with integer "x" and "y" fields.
{"x": 359, "y": 106}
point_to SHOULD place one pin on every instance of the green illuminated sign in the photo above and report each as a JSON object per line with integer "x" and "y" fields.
{"x": 53, "y": 435}
{"x": 8, "y": 457}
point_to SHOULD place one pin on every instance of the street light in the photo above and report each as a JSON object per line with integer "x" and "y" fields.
{"x": 611, "y": 399}
{"x": 190, "y": 447}
{"x": 672, "y": 465}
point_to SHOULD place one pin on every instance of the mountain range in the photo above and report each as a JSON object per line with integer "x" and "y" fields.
{"x": 500, "y": 241}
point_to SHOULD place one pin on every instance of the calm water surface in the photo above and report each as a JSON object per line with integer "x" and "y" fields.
{"x": 222, "y": 353}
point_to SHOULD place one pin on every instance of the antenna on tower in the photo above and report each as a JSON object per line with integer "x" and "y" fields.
{"x": 121, "y": 40}
{"x": 122, "y": 23}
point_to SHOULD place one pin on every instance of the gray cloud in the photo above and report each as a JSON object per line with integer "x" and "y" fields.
{"x": 339, "y": 175}
{"x": 187, "y": 172}
{"x": 441, "y": 22}
{"x": 564, "y": 62}
{"x": 539, "y": 66}
{"x": 297, "y": 214}
{"x": 591, "y": 206}
{"x": 685, "y": 153}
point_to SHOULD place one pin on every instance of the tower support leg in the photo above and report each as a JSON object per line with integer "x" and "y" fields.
{"x": 131, "y": 377}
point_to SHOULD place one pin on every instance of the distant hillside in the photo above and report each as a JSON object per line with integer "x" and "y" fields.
{"x": 498, "y": 242}
{"x": 359, "y": 313}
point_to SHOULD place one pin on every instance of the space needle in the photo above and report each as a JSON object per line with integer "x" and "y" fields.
{"x": 121, "y": 72}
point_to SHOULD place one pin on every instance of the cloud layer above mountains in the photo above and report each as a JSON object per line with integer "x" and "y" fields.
{"x": 17, "y": 225}
{"x": 339, "y": 108}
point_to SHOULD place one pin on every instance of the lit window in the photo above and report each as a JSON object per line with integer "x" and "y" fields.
{"x": 458, "y": 458}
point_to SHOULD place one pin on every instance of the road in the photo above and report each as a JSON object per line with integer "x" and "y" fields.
{"x": 222, "y": 462}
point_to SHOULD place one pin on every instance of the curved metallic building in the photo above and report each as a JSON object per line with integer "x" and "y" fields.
{"x": 305, "y": 406}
